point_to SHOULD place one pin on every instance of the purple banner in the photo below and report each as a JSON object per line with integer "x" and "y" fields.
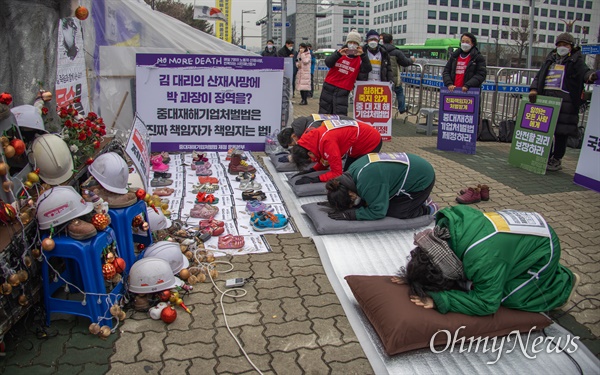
{"x": 537, "y": 117}
{"x": 208, "y": 61}
{"x": 458, "y": 120}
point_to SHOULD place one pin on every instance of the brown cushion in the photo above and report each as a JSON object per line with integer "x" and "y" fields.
{"x": 403, "y": 326}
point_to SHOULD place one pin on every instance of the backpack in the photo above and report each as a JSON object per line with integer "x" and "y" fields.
{"x": 507, "y": 128}
{"x": 485, "y": 133}
{"x": 577, "y": 140}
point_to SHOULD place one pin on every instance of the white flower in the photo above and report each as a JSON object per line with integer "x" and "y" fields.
{"x": 74, "y": 148}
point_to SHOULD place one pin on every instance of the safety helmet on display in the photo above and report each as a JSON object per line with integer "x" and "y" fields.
{"x": 135, "y": 181}
{"x": 59, "y": 205}
{"x": 51, "y": 155}
{"x": 169, "y": 251}
{"x": 157, "y": 220}
{"x": 110, "y": 170}
{"x": 150, "y": 275}
{"x": 29, "y": 117}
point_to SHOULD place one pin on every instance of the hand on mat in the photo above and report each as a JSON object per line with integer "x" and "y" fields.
{"x": 398, "y": 280}
{"x": 324, "y": 203}
{"x": 284, "y": 159}
{"x": 344, "y": 215}
{"x": 307, "y": 180}
{"x": 532, "y": 96}
{"x": 426, "y": 302}
{"x": 309, "y": 170}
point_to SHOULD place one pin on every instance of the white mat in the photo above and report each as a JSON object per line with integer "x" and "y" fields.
{"x": 383, "y": 253}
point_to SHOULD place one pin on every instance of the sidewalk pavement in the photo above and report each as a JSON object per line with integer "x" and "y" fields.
{"x": 291, "y": 321}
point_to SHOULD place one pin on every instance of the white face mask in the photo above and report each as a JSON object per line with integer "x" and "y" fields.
{"x": 373, "y": 44}
{"x": 563, "y": 51}
{"x": 352, "y": 46}
{"x": 269, "y": 46}
{"x": 291, "y": 48}
{"x": 466, "y": 47}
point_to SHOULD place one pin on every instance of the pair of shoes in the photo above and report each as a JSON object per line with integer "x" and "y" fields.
{"x": 158, "y": 165}
{"x": 237, "y": 165}
{"x": 81, "y": 230}
{"x": 576, "y": 281}
{"x": 249, "y": 185}
{"x": 256, "y": 195}
{"x": 208, "y": 180}
{"x": 484, "y": 191}
{"x": 432, "y": 207}
{"x": 245, "y": 176}
{"x": 114, "y": 200}
{"x": 215, "y": 227}
{"x": 554, "y": 165}
{"x": 162, "y": 175}
{"x": 235, "y": 151}
{"x": 205, "y": 188}
{"x": 256, "y": 206}
{"x": 231, "y": 242}
{"x": 263, "y": 221}
{"x": 471, "y": 195}
{"x": 206, "y": 198}
{"x": 196, "y": 164}
{"x": 204, "y": 211}
{"x": 202, "y": 170}
{"x": 163, "y": 192}
{"x": 156, "y": 182}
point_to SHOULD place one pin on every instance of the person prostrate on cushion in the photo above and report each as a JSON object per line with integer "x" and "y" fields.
{"x": 379, "y": 185}
{"x": 289, "y": 136}
{"x": 474, "y": 262}
{"x": 327, "y": 144}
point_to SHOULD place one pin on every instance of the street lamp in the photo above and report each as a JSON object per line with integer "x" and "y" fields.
{"x": 245, "y": 12}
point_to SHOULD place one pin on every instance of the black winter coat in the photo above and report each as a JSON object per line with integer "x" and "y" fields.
{"x": 397, "y": 59}
{"x": 386, "y": 74}
{"x": 269, "y": 53}
{"x": 576, "y": 74}
{"x": 474, "y": 74}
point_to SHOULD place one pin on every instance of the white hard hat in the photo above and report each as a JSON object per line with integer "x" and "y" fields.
{"x": 157, "y": 220}
{"x": 60, "y": 205}
{"x": 150, "y": 275}
{"x": 169, "y": 251}
{"x": 28, "y": 116}
{"x": 110, "y": 170}
{"x": 52, "y": 156}
{"x": 135, "y": 181}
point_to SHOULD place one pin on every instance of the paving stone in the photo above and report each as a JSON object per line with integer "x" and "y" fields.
{"x": 280, "y": 268}
{"x": 137, "y": 368}
{"x": 292, "y": 342}
{"x": 225, "y": 344}
{"x": 253, "y": 339}
{"x": 151, "y": 346}
{"x": 311, "y": 361}
{"x": 184, "y": 350}
{"x": 93, "y": 369}
{"x": 275, "y": 282}
{"x": 29, "y": 370}
{"x": 327, "y": 332}
{"x": 358, "y": 366}
{"x": 82, "y": 356}
{"x": 278, "y": 293}
{"x": 191, "y": 336}
{"x": 272, "y": 311}
{"x": 143, "y": 325}
{"x": 127, "y": 348}
{"x": 343, "y": 353}
{"x": 342, "y": 323}
{"x": 203, "y": 366}
{"x": 240, "y": 365}
{"x": 53, "y": 348}
{"x": 285, "y": 363}
{"x": 307, "y": 285}
{"x": 176, "y": 366}
{"x": 237, "y": 320}
{"x": 288, "y": 328}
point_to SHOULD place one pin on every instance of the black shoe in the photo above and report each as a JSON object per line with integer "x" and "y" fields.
{"x": 304, "y": 102}
{"x": 162, "y": 175}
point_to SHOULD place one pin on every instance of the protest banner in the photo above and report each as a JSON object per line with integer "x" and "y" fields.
{"x": 587, "y": 173}
{"x": 458, "y": 120}
{"x": 138, "y": 149}
{"x": 373, "y": 104}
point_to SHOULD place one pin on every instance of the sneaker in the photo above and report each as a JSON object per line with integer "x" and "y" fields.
{"x": 554, "y": 165}
{"x": 157, "y": 182}
{"x": 432, "y": 207}
{"x": 472, "y": 195}
{"x": 485, "y": 192}
{"x": 576, "y": 281}
{"x": 162, "y": 175}
{"x": 245, "y": 176}
{"x": 257, "y": 206}
{"x": 158, "y": 165}
{"x": 265, "y": 221}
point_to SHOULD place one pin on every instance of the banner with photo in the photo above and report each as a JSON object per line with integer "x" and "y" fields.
{"x": 71, "y": 80}
{"x": 587, "y": 173}
{"x": 373, "y": 104}
{"x": 532, "y": 139}
{"x": 458, "y": 120}
{"x": 208, "y": 102}
{"x": 138, "y": 149}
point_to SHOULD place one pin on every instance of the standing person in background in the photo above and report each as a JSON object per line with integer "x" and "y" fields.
{"x": 288, "y": 51}
{"x": 303, "y": 77}
{"x": 379, "y": 59}
{"x": 466, "y": 67}
{"x": 397, "y": 59}
{"x": 269, "y": 50}
{"x": 344, "y": 66}
{"x": 313, "y": 67}
{"x": 562, "y": 76}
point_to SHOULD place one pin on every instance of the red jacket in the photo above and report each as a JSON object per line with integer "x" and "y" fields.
{"x": 329, "y": 146}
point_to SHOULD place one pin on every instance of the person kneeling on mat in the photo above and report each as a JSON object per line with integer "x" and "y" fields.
{"x": 327, "y": 144}
{"x": 473, "y": 263}
{"x": 379, "y": 185}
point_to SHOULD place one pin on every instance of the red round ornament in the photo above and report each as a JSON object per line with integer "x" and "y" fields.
{"x": 100, "y": 221}
{"x": 164, "y": 296}
{"x": 168, "y": 315}
{"x": 89, "y": 161}
{"x": 119, "y": 264}
{"x": 140, "y": 194}
{"x": 81, "y": 13}
{"x": 108, "y": 271}
{"x": 18, "y": 145}
{"x": 141, "y": 246}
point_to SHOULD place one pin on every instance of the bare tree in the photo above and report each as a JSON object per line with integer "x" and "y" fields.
{"x": 234, "y": 38}
{"x": 182, "y": 12}
{"x": 519, "y": 36}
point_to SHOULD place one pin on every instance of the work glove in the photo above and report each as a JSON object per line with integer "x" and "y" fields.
{"x": 532, "y": 96}
{"x": 343, "y": 215}
{"x": 284, "y": 159}
{"x": 307, "y": 180}
{"x": 309, "y": 170}
{"x": 593, "y": 77}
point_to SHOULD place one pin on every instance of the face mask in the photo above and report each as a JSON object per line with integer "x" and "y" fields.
{"x": 381, "y": 42}
{"x": 373, "y": 44}
{"x": 466, "y": 47}
{"x": 352, "y": 46}
{"x": 563, "y": 51}
{"x": 291, "y": 48}
{"x": 269, "y": 46}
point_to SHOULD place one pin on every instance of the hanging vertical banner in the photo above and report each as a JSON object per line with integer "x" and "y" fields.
{"x": 208, "y": 102}
{"x": 138, "y": 149}
{"x": 373, "y": 104}
{"x": 223, "y": 28}
{"x": 71, "y": 80}
{"x": 533, "y": 135}
{"x": 458, "y": 120}
{"x": 587, "y": 173}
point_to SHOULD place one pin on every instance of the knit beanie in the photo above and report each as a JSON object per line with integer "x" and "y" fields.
{"x": 353, "y": 36}
{"x": 372, "y": 33}
{"x": 565, "y": 37}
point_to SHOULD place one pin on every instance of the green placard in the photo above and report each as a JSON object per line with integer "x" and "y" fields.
{"x": 534, "y": 132}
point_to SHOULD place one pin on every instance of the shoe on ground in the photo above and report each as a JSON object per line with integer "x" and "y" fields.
{"x": 162, "y": 175}
{"x": 472, "y": 195}
{"x": 576, "y": 281}
{"x": 114, "y": 200}
{"x": 432, "y": 207}
{"x": 485, "y": 192}
{"x": 81, "y": 230}
{"x": 237, "y": 165}
{"x": 554, "y": 165}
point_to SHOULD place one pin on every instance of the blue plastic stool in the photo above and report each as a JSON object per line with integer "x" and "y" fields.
{"x": 121, "y": 219}
{"x": 83, "y": 268}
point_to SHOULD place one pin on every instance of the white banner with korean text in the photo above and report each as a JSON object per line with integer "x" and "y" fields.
{"x": 138, "y": 149}
{"x": 587, "y": 173}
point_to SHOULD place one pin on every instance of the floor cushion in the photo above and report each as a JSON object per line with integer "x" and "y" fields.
{"x": 307, "y": 190}
{"x": 282, "y": 166}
